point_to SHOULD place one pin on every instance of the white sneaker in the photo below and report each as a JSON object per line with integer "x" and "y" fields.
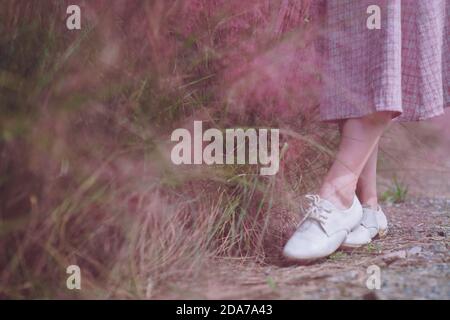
{"x": 374, "y": 222}
{"x": 382, "y": 222}
{"x": 323, "y": 229}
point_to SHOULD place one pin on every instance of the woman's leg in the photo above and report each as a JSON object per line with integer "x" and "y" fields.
{"x": 359, "y": 139}
{"x": 315, "y": 240}
{"x": 366, "y": 189}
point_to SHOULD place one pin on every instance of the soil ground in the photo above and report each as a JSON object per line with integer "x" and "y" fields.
{"x": 413, "y": 258}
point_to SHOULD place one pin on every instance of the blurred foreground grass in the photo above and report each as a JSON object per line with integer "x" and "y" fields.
{"x": 86, "y": 116}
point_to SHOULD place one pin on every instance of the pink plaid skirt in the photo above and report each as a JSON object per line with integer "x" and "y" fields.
{"x": 402, "y": 67}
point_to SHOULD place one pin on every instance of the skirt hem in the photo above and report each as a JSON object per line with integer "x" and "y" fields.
{"x": 399, "y": 115}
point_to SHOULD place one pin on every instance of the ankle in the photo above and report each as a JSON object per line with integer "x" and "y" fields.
{"x": 342, "y": 199}
{"x": 369, "y": 202}
{"x": 371, "y": 205}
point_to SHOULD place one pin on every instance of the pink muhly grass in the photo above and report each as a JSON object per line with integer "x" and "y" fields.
{"x": 93, "y": 151}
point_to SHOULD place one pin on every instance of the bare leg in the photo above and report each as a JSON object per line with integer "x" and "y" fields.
{"x": 359, "y": 139}
{"x": 366, "y": 189}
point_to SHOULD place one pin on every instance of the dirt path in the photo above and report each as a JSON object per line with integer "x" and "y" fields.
{"x": 414, "y": 258}
{"x": 414, "y": 263}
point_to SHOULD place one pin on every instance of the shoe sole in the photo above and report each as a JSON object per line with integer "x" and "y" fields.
{"x": 353, "y": 246}
{"x": 302, "y": 261}
{"x": 381, "y": 234}
{"x": 309, "y": 260}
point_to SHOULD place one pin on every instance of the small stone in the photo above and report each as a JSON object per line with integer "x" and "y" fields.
{"x": 414, "y": 251}
{"x": 393, "y": 256}
{"x": 438, "y": 248}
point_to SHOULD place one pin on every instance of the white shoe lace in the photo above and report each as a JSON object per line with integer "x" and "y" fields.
{"x": 315, "y": 210}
